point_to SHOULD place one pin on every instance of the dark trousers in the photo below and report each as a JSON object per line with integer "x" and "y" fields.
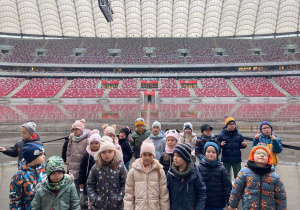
{"x": 235, "y": 166}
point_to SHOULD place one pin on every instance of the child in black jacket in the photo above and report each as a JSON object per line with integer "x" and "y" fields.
{"x": 216, "y": 178}
{"x": 87, "y": 163}
{"x": 125, "y": 145}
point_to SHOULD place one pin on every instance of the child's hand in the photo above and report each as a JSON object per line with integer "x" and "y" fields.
{"x": 257, "y": 135}
{"x": 244, "y": 142}
{"x": 2, "y": 149}
{"x": 81, "y": 186}
{"x": 273, "y": 137}
{"x": 131, "y": 140}
{"x": 223, "y": 143}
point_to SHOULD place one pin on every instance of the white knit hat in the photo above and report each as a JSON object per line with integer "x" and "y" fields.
{"x": 107, "y": 146}
{"x": 106, "y": 139}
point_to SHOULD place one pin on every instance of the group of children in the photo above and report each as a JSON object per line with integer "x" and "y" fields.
{"x": 171, "y": 170}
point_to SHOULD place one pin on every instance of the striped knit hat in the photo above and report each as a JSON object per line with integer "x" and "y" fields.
{"x": 184, "y": 151}
{"x": 228, "y": 120}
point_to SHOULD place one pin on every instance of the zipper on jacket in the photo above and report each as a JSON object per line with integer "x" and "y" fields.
{"x": 147, "y": 175}
{"x": 260, "y": 192}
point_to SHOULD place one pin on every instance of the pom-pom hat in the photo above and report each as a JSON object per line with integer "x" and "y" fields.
{"x": 264, "y": 147}
{"x": 79, "y": 124}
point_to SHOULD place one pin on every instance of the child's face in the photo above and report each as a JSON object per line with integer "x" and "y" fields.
{"x": 56, "y": 176}
{"x": 39, "y": 160}
{"x": 211, "y": 153}
{"x": 171, "y": 142}
{"x": 111, "y": 136}
{"x": 178, "y": 161}
{"x": 261, "y": 157}
{"x": 147, "y": 158}
{"x": 25, "y": 133}
{"x": 266, "y": 130}
{"x": 94, "y": 145}
{"x": 107, "y": 155}
{"x": 122, "y": 135}
{"x": 77, "y": 132}
{"x": 231, "y": 126}
{"x": 155, "y": 130}
{"x": 140, "y": 127}
{"x": 187, "y": 131}
{"x": 207, "y": 132}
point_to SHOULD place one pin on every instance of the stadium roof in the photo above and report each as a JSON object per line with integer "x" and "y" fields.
{"x": 150, "y": 18}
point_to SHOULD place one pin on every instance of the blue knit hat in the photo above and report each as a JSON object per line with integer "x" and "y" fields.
{"x": 184, "y": 151}
{"x": 32, "y": 151}
{"x": 265, "y": 123}
{"x": 211, "y": 144}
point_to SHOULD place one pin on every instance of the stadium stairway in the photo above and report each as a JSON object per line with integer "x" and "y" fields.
{"x": 22, "y": 115}
{"x": 99, "y": 85}
{"x": 63, "y": 89}
{"x": 278, "y": 87}
{"x": 192, "y": 93}
{"x": 64, "y": 111}
{"x": 234, "y": 89}
{"x": 199, "y": 84}
{"x": 105, "y": 94}
{"x": 120, "y": 84}
{"x": 159, "y": 83}
{"x": 18, "y": 88}
{"x": 277, "y": 111}
{"x": 178, "y": 84}
{"x": 138, "y": 83}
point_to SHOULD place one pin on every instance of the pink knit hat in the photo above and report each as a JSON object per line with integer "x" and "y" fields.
{"x": 173, "y": 133}
{"x": 95, "y": 137}
{"x": 109, "y": 130}
{"x": 147, "y": 146}
{"x": 79, "y": 124}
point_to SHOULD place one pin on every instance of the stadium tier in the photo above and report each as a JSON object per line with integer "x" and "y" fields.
{"x": 144, "y": 51}
{"x": 168, "y": 112}
{"x": 128, "y": 88}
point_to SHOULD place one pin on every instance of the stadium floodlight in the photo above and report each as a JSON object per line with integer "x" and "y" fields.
{"x": 106, "y": 9}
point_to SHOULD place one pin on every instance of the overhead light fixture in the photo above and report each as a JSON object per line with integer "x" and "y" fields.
{"x": 106, "y": 9}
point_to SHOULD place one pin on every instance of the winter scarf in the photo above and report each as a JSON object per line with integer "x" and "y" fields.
{"x": 91, "y": 153}
{"x": 79, "y": 138}
{"x": 169, "y": 150}
{"x": 146, "y": 168}
{"x": 212, "y": 163}
{"x": 56, "y": 186}
{"x": 185, "y": 173}
{"x": 259, "y": 170}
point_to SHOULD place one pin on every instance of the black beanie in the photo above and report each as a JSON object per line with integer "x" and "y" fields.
{"x": 205, "y": 126}
{"x": 125, "y": 130}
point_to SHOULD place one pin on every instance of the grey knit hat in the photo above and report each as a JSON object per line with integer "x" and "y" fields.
{"x": 157, "y": 124}
{"x": 30, "y": 126}
{"x": 184, "y": 151}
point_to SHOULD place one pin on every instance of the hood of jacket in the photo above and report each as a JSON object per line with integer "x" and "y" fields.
{"x": 36, "y": 138}
{"x": 192, "y": 135}
{"x": 23, "y": 166}
{"x": 159, "y": 136}
{"x": 124, "y": 140}
{"x": 69, "y": 179}
{"x": 186, "y": 173}
{"x": 226, "y": 132}
{"x": 204, "y": 163}
{"x": 137, "y": 165}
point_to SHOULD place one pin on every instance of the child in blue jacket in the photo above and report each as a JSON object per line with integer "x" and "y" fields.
{"x": 257, "y": 184}
{"x": 31, "y": 172}
{"x": 185, "y": 183}
{"x": 216, "y": 178}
